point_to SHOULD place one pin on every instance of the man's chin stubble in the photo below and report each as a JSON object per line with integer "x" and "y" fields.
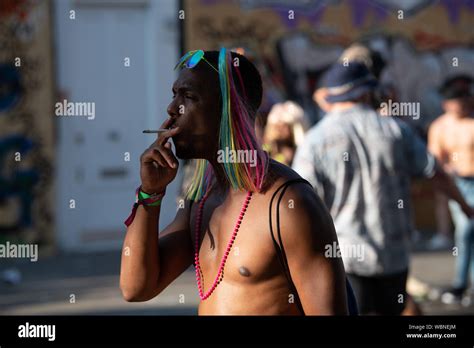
{"x": 184, "y": 153}
{"x": 187, "y": 151}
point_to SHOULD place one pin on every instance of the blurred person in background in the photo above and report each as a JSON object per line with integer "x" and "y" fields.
{"x": 360, "y": 165}
{"x": 358, "y": 52}
{"x": 286, "y": 125}
{"x": 383, "y": 92}
{"x": 451, "y": 140}
{"x": 442, "y": 238}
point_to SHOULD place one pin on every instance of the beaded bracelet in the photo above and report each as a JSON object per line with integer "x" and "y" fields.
{"x": 142, "y": 198}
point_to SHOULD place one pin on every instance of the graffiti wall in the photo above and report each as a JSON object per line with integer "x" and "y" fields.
{"x": 26, "y": 125}
{"x": 421, "y": 41}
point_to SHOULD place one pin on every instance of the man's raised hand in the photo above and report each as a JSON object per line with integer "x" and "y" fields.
{"x": 158, "y": 164}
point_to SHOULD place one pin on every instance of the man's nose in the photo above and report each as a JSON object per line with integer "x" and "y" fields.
{"x": 172, "y": 110}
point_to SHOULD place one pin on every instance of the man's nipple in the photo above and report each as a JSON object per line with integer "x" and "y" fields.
{"x": 244, "y": 271}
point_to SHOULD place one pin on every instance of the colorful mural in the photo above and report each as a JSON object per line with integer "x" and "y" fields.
{"x": 313, "y": 10}
{"x": 26, "y": 125}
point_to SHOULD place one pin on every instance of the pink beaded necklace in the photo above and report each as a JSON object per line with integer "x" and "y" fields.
{"x": 220, "y": 272}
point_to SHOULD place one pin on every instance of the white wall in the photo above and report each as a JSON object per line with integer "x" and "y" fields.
{"x": 91, "y": 167}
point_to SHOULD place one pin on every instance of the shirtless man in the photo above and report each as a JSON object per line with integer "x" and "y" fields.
{"x": 451, "y": 140}
{"x": 254, "y": 282}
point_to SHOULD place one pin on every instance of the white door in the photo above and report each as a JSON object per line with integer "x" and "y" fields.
{"x": 118, "y": 57}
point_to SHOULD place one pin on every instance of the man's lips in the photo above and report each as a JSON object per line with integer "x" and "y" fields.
{"x": 173, "y": 126}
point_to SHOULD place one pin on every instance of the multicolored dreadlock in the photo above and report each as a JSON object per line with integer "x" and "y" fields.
{"x": 236, "y": 133}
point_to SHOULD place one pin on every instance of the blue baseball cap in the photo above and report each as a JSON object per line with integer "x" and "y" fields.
{"x": 348, "y": 82}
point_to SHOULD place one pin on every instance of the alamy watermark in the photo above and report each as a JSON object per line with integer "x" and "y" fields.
{"x": 67, "y": 108}
{"x": 28, "y": 330}
{"x": 352, "y": 251}
{"x": 237, "y": 156}
{"x": 406, "y": 109}
{"x": 24, "y": 251}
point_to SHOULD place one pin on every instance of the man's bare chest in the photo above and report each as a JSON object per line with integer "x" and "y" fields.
{"x": 459, "y": 136}
{"x": 252, "y": 257}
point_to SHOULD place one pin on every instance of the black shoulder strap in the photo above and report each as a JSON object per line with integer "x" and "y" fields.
{"x": 279, "y": 245}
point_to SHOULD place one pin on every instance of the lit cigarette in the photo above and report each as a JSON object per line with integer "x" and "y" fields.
{"x": 152, "y": 131}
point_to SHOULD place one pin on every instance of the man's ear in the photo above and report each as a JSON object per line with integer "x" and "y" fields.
{"x": 445, "y": 105}
{"x": 319, "y": 97}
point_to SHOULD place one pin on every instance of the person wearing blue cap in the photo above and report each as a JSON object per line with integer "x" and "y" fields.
{"x": 360, "y": 163}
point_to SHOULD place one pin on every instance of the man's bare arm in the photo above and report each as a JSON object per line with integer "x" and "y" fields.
{"x": 306, "y": 230}
{"x": 435, "y": 142}
{"x": 445, "y": 183}
{"x": 150, "y": 262}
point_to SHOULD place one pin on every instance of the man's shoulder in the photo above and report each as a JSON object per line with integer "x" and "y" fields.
{"x": 329, "y": 126}
{"x": 299, "y": 206}
{"x": 440, "y": 122}
{"x": 298, "y": 188}
{"x": 279, "y": 174}
{"x": 327, "y": 121}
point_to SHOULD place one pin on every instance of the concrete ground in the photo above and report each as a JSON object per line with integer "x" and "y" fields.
{"x": 88, "y": 284}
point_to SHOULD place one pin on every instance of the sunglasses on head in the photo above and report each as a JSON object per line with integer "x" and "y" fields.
{"x": 191, "y": 59}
